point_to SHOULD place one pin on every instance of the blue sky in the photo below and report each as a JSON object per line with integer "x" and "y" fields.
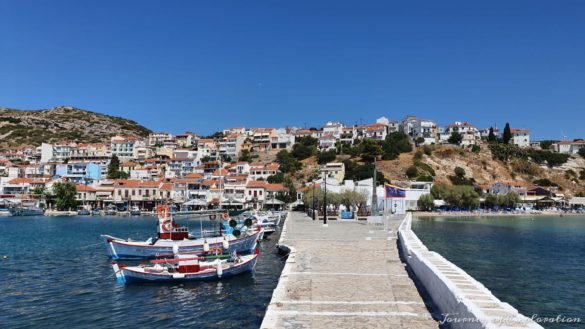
{"x": 205, "y": 65}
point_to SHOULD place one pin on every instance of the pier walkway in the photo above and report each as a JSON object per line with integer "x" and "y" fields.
{"x": 346, "y": 275}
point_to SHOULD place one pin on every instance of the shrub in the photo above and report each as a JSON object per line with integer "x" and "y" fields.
{"x": 427, "y": 150}
{"x": 545, "y": 182}
{"x": 475, "y": 149}
{"x": 418, "y": 155}
{"x": 411, "y": 172}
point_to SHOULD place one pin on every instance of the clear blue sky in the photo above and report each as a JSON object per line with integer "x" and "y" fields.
{"x": 205, "y": 65}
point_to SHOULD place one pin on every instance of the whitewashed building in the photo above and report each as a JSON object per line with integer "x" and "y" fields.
{"x": 520, "y": 137}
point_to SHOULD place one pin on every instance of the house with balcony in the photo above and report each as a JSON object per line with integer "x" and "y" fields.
{"x": 485, "y": 132}
{"x": 284, "y": 139}
{"x": 231, "y": 145}
{"x": 186, "y": 140}
{"x": 123, "y": 147}
{"x": 255, "y": 194}
{"x": 505, "y": 187}
{"x": 469, "y": 133}
{"x": 332, "y": 128}
{"x": 333, "y": 170}
{"x": 263, "y": 170}
{"x": 261, "y": 138}
{"x": 157, "y": 139}
{"x": 55, "y": 152}
{"x": 327, "y": 142}
{"x": 348, "y": 136}
{"x": 83, "y": 172}
{"x": 407, "y": 125}
{"x": 425, "y": 129}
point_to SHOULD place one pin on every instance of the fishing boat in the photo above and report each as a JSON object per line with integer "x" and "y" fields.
{"x": 186, "y": 267}
{"x": 26, "y": 211}
{"x": 135, "y": 211}
{"x": 239, "y": 239}
{"x": 96, "y": 211}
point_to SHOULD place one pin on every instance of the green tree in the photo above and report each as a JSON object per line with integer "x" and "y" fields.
{"x": 491, "y": 200}
{"x": 288, "y": 163}
{"x": 507, "y": 135}
{"x": 113, "y": 167}
{"x": 352, "y": 199}
{"x": 491, "y": 135}
{"x": 245, "y": 156}
{"x": 395, "y": 144}
{"x": 428, "y": 150}
{"x": 582, "y": 152}
{"x": 370, "y": 150}
{"x": 426, "y": 202}
{"x": 462, "y": 196}
{"x": 326, "y": 156}
{"x": 439, "y": 191}
{"x": 276, "y": 178}
{"x": 419, "y": 141}
{"x": 64, "y": 194}
{"x": 455, "y": 138}
{"x": 301, "y": 151}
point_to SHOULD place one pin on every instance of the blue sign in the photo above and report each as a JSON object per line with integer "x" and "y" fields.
{"x": 395, "y": 192}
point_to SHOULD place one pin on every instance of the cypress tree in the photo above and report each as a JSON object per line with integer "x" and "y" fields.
{"x": 491, "y": 136}
{"x": 507, "y": 136}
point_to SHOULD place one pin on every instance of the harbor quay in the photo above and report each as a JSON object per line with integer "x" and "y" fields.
{"x": 344, "y": 275}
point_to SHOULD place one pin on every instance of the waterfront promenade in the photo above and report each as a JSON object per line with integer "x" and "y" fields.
{"x": 346, "y": 275}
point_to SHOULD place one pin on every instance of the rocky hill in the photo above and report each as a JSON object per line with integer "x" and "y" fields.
{"x": 24, "y": 127}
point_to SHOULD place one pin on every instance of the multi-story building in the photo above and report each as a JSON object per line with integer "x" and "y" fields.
{"x": 231, "y": 145}
{"x": 407, "y": 125}
{"x": 123, "y": 147}
{"x": 520, "y": 137}
{"x": 157, "y": 139}
{"x": 55, "y": 152}
{"x": 332, "y": 128}
{"x": 284, "y": 139}
{"x": 469, "y": 133}
{"x": 263, "y": 171}
{"x": 335, "y": 170}
{"x": 425, "y": 129}
{"x": 262, "y": 138}
{"x": 83, "y": 172}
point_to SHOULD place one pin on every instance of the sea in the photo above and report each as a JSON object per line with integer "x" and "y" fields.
{"x": 536, "y": 264}
{"x": 57, "y": 275}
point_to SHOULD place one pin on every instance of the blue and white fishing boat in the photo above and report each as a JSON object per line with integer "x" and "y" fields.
{"x": 171, "y": 235}
{"x": 186, "y": 267}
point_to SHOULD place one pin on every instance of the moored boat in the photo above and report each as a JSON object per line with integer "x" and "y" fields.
{"x": 83, "y": 211}
{"x": 172, "y": 235}
{"x": 111, "y": 210}
{"x": 135, "y": 211}
{"x": 26, "y": 211}
{"x": 186, "y": 267}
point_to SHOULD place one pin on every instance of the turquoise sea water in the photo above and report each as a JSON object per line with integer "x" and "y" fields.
{"x": 58, "y": 276}
{"x": 536, "y": 264}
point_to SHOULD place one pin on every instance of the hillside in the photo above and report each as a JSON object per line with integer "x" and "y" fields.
{"x": 479, "y": 166}
{"x": 23, "y": 127}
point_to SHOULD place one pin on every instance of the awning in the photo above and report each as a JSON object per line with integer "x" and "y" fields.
{"x": 273, "y": 201}
{"x": 195, "y": 202}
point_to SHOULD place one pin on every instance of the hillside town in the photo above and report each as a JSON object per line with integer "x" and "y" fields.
{"x": 231, "y": 169}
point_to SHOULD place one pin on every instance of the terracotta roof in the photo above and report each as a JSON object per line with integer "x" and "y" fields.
{"x": 211, "y": 182}
{"x": 167, "y": 186}
{"x": 25, "y": 181}
{"x": 84, "y": 188}
{"x": 519, "y": 130}
{"x": 194, "y": 175}
{"x": 256, "y": 184}
{"x": 129, "y": 164}
{"x": 220, "y": 172}
{"x": 275, "y": 187}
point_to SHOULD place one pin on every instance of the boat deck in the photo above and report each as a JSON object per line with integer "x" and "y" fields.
{"x": 346, "y": 275}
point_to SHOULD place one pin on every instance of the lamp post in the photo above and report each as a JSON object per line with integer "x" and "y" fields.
{"x": 325, "y": 201}
{"x": 314, "y": 216}
{"x": 374, "y": 192}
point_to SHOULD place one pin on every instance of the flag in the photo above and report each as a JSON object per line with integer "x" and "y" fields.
{"x": 393, "y": 191}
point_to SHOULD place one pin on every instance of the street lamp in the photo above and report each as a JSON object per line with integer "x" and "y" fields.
{"x": 325, "y": 200}
{"x": 314, "y": 216}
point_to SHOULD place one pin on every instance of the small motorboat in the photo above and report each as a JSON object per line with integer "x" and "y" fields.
{"x": 171, "y": 234}
{"x": 83, "y": 211}
{"x": 111, "y": 210}
{"x": 135, "y": 211}
{"x": 186, "y": 267}
{"x": 96, "y": 211}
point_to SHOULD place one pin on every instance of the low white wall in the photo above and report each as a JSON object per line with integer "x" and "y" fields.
{"x": 461, "y": 297}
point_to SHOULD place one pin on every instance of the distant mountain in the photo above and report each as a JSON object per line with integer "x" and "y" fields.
{"x": 24, "y": 127}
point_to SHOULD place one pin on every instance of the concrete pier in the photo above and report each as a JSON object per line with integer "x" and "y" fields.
{"x": 346, "y": 275}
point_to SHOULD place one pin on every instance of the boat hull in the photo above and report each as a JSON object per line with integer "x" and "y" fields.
{"x": 134, "y": 276}
{"x": 26, "y": 212}
{"x": 123, "y": 249}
